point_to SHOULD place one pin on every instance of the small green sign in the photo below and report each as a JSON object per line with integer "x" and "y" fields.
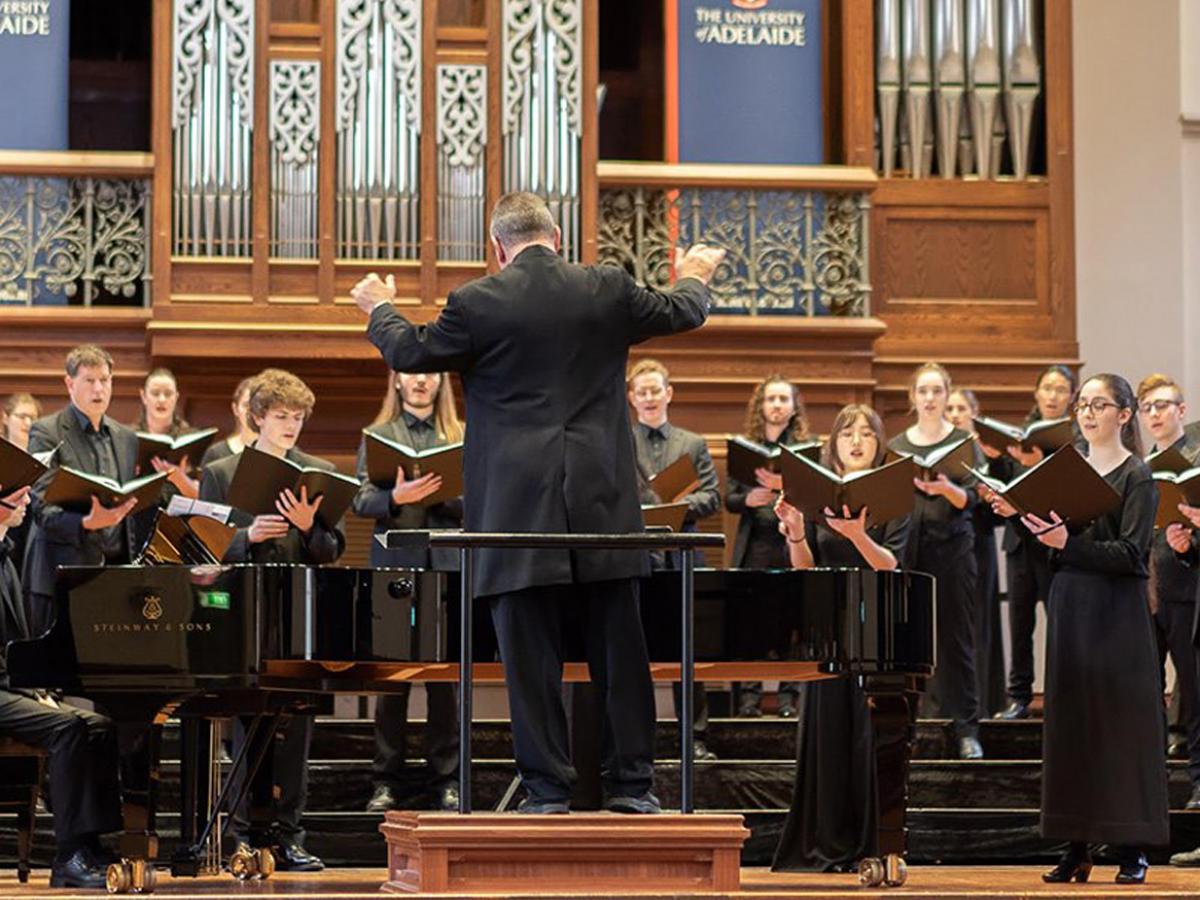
{"x": 215, "y": 599}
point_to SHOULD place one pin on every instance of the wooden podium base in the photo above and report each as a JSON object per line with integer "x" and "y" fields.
{"x": 588, "y": 853}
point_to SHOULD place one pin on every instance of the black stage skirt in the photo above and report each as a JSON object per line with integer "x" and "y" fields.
{"x": 1104, "y": 773}
{"x": 834, "y": 814}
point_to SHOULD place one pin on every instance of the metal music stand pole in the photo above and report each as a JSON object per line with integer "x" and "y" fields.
{"x": 687, "y": 676}
{"x": 466, "y": 678}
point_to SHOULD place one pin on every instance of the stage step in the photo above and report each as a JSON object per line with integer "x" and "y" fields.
{"x": 766, "y": 738}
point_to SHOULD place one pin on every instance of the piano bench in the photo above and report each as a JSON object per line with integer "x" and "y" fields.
{"x": 21, "y": 770}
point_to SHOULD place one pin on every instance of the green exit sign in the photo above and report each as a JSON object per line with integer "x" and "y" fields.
{"x": 215, "y": 599}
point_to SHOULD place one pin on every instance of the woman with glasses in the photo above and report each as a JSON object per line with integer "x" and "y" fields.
{"x": 941, "y": 541}
{"x": 1028, "y": 561}
{"x": 1103, "y": 778}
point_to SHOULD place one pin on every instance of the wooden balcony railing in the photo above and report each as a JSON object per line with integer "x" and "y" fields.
{"x": 75, "y": 228}
{"x": 795, "y": 236}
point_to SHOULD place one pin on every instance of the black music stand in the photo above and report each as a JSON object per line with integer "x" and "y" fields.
{"x": 467, "y": 541}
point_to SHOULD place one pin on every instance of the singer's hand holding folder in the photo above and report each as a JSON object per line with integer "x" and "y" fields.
{"x": 261, "y": 477}
{"x": 744, "y": 456}
{"x": 1064, "y": 483}
{"x": 886, "y": 492}
{"x": 385, "y": 456}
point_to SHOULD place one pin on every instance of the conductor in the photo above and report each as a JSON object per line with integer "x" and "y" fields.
{"x": 542, "y": 346}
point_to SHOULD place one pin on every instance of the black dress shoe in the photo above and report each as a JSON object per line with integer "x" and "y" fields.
{"x": 1133, "y": 869}
{"x": 531, "y": 806}
{"x": 1074, "y": 866}
{"x": 294, "y": 858}
{"x": 786, "y": 711}
{"x": 447, "y": 798}
{"x": 646, "y": 804}
{"x": 80, "y": 870}
{"x": 701, "y": 753}
{"x": 382, "y": 800}
{"x": 1015, "y": 710}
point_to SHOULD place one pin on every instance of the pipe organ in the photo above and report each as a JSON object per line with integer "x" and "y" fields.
{"x": 383, "y": 132}
{"x": 957, "y": 86}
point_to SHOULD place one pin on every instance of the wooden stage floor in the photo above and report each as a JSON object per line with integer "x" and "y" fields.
{"x": 976, "y": 882}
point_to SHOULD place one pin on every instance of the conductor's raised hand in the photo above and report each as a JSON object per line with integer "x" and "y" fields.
{"x": 416, "y": 490}
{"x": 298, "y": 510}
{"x": 100, "y": 516}
{"x": 699, "y": 261}
{"x": 371, "y": 291}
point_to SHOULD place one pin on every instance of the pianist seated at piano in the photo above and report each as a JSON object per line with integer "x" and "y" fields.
{"x": 83, "y": 438}
{"x": 280, "y": 404}
{"x": 82, "y": 745}
{"x": 833, "y": 820}
{"x": 418, "y": 411}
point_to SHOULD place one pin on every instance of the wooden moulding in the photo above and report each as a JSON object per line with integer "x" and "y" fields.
{"x": 585, "y": 853}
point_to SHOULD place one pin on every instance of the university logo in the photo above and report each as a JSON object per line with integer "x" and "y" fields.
{"x": 749, "y": 4}
{"x": 152, "y": 609}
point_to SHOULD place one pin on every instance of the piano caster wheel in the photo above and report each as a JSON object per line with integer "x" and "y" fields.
{"x": 264, "y": 861}
{"x": 242, "y": 864}
{"x": 135, "y": 875}
{"x": 897, "y": 871}
{"x": 871, "y": 872}
{"x": 246, "y": 864}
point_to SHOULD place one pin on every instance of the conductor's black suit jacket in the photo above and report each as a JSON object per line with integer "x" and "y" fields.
{"x": 543, "y": 346}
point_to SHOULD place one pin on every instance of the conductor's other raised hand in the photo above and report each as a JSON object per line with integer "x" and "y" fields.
{"x": 372, "y": 291}
{"x": 699, "y": 262}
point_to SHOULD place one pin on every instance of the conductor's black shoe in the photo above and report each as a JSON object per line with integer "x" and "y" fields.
{"x": 79, "y": 870}
{"x": 382, "y": 800}
{"x": 531, "y": 806}
{"x": 1015, "y": 710}
{"x": 447, "y": 798}
{"x": 701, "y": 753}
{"x": 970, "y": 748}
{"x": 294, "y": 858}
{"x": 646, "y": 804}
{"x": 1133, "y": 870}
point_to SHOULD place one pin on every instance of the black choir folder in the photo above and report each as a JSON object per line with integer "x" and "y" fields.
{"x": 676, "y": 481}
{"x": 1047, "y": 436}
{"x": 948, "y": 460}
{"x": 173, "y": 450}
{"x": 743, "y": 456}
{"x": 18, "y": 469}
{"x": 1063, "y": 482}
{"x": 664, "y": 515}
{"x": 1168, "y": 460}
{"x": 260, "y": 479}
{"x": 385, "y": 456}
{"x": 886, "y": 492}
{"x": 1175, "y": 488}
{"x": 72, "y": 489}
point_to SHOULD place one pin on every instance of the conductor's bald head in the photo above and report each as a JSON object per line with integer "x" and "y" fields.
{"x": 518, "y": 220}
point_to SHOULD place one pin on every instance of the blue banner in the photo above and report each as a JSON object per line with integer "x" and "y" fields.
{"x": 34, "y": 68}
{"x": 747, "y": 84}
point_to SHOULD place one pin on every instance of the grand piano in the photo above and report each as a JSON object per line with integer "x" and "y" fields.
{"x": 208, "y": 641}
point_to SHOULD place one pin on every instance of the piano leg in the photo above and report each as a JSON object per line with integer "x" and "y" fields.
{"x": 141, "y": 746}
{"x": 893, "y": 704}
{"x": 195, "y": 785}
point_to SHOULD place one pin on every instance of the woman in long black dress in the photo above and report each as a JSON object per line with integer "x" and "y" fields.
{"x": 941, "y": 541}
{"x": 833, "y": 820}
{"x": 1103, "y": 768}
{"x": 961, "y": 410}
